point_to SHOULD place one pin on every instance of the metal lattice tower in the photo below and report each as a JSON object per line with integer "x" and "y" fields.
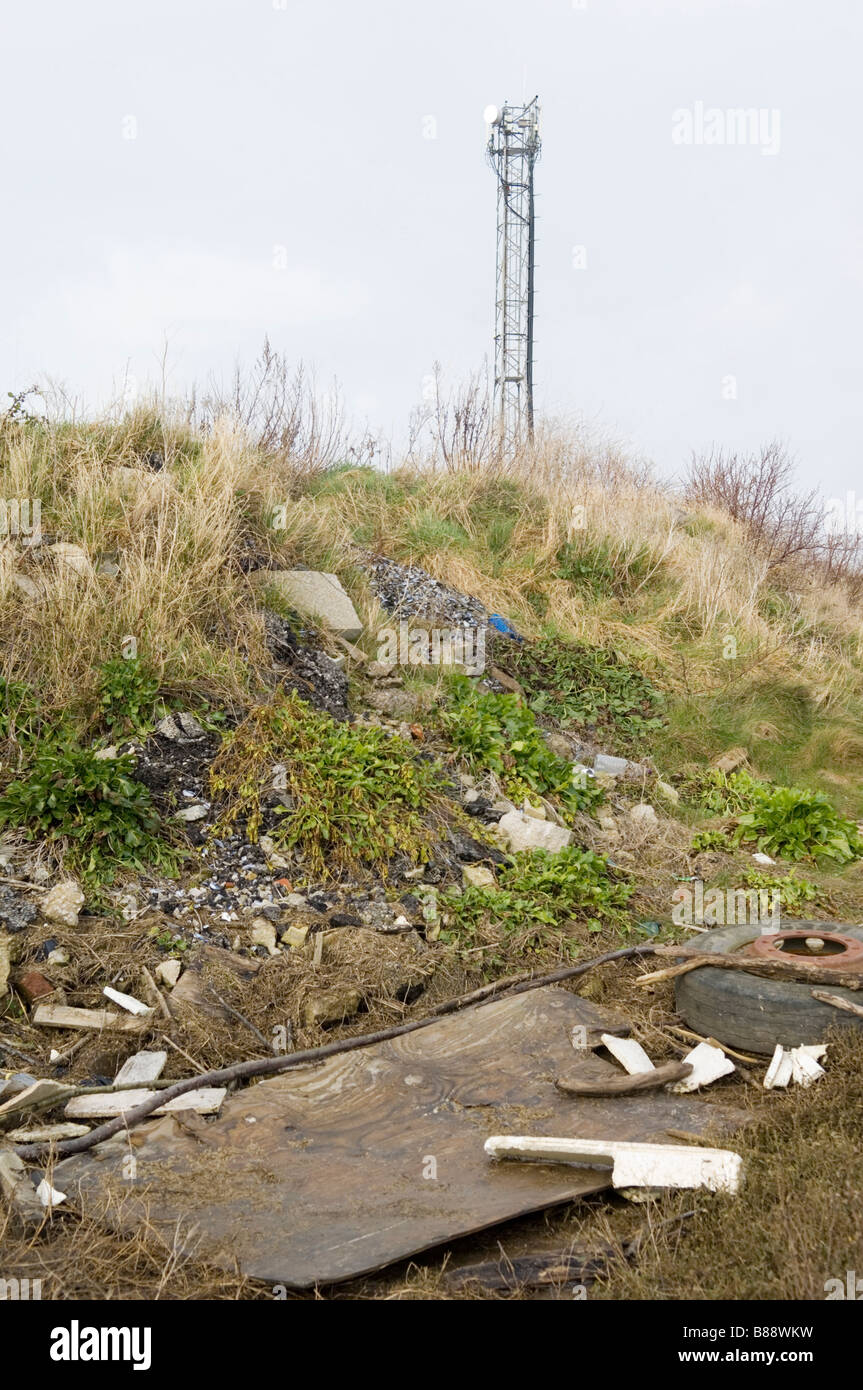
{"x": 513, "y": 150}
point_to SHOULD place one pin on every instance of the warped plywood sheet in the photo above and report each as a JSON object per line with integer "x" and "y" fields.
{"x": 334, "y": 1171}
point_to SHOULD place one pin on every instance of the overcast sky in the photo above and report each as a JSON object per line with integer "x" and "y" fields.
{"x": 198, "y": 173}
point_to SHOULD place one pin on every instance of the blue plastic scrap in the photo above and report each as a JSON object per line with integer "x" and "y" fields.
{"x": 501, "y": 625}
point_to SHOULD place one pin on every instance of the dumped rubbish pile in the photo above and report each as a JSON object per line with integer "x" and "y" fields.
{"x": 409, "y": 591}
{"x": 283, "y": 1057}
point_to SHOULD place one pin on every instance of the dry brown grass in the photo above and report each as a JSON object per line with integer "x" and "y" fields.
{"x": 179, "y": 535}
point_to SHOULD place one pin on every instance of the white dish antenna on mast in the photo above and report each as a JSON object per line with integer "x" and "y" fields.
{"x": 492, "y": 115}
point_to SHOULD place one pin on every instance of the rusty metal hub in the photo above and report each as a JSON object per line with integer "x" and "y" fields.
{"x": 837, "y": 952}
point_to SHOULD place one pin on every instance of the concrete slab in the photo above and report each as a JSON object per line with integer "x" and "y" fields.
{"x": 316, "y": 595}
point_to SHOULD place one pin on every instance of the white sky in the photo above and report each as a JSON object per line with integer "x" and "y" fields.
{"x": 304, "y": 128}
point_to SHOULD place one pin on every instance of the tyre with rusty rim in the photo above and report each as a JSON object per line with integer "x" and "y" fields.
{"x": 753, "y": 1013}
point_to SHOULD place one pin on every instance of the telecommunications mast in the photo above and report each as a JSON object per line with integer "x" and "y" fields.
{"x": 513, "y": 149}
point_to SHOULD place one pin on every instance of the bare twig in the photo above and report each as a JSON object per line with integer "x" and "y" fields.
{"x": 156, "y": 994}
{"x": 183, "y": 1053}
{"x": 241, "y": 1018}
{"x": 837, "y": 1002}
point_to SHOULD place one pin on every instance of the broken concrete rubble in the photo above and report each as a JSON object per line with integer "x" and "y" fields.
{"x": 63, "y": 903}
{"x": 168, "y": 972}
{"x": 180, "y": 727}
{"x": 323, "y": 1007}
{"x": 16, "y": 912}
{"x": 478, "y": 876}
{"x": 731, "y": 760}
{"x": 521, "y": 832}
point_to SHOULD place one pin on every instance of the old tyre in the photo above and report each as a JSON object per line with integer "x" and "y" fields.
{"x": 752, "y": 1013}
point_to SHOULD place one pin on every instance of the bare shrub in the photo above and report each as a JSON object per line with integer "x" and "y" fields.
{"x": 454, "y": 428}
{"x": 758, "y": 490}
{"x": 842, "y": 560}
{"x": 278, "y": 408}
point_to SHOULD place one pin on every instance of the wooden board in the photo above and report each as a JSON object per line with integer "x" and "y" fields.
{"x": 337, "y": 1170}
{"x": 43, "y": 1090}
{"x": 207, "y": 1100}
{"x": 99, "y": 1020}
{"x": 141, "y": 1068}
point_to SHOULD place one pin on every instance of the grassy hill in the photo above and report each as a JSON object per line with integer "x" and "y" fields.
{"x": 652, "y": 622}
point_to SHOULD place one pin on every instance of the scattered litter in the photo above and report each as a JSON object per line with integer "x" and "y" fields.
{"x": 764, "y": 860}
{"x": 778, "y": 1074}
{"x": 48, "y": 1195}
{"x": 126, "y": 1001}
{"x": 708, "y": 1064}
{"x": 804, "y": 1068}
{"x": 633, "y": 1165}
{"x": 16, "y": 1187}
{"x": 501, "y": 625}
{"x": 797, "y": 1064}
{"x": 629, "y": 1053}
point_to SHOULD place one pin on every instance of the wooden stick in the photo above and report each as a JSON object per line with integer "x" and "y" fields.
{"x": 183, "y": 1053}
{"x": 837, "y": 1002}
{"x": 624, "y": 1085}
{"x": 271, "y": 1066}
{"x": 769, "y": 969}
{"x": 241, "y": 1018}
{"x": 156, "y": 994}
